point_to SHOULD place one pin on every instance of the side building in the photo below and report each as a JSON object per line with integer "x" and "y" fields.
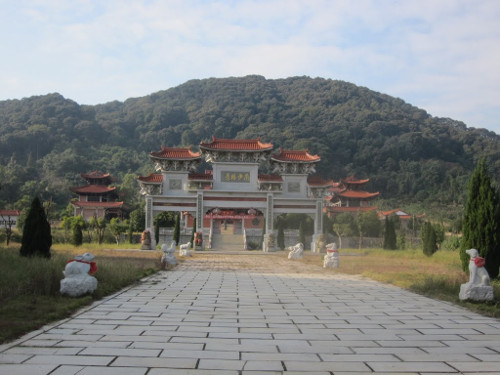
{"x": 97, "y": 198}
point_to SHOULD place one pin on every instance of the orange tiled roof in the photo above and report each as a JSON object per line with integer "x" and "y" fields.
{"x": 355, "y": 181}
{"x": 220, "y": 144}
{"x": 350, "y": 209}
{"x": 358, "y": 194}
{"x": 295, "y": 156}
{"x": 318, "y": 181}
{"x": 92, "y": 189}
{"x": 152, "y": 177}
{"x": 98, "y": 204}
{"x": 183, "y": 153}
{"x": 270, "y": 178}
{"x": 95, "y": 174}
{"x": 10, "y": 212}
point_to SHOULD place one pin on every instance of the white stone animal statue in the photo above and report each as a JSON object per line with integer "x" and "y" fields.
{"x": 296, "y": 251}
{"x": 478, "y": 288}
{"x": 168, "y": 256}
{"x": 185, "y": 250}
{"x": 331, "y": 259}
{"x": 77, "y": 280}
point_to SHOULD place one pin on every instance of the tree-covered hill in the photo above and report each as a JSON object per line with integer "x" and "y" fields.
{"x": 46, "y": 141}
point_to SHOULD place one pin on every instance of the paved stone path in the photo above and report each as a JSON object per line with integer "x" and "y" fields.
{"x": 216, "y": 316}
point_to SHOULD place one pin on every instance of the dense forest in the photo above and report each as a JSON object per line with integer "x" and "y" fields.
{"x": 410, "y": 156}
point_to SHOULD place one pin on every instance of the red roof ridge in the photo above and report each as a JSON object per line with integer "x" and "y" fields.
{"x": 152, "y": 177}
{"x": 295, "y": 156}
{"x": 176, "y": 153}
{"x": 10, "y": 212}
{"x": 225, "y": 144}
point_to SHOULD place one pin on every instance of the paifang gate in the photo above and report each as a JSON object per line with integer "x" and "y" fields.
{"x": 233, "y": 192}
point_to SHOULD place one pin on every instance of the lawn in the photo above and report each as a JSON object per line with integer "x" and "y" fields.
{"x": 29, "y": 287}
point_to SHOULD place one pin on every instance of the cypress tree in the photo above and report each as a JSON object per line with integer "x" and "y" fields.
{"x": 429, "y": 239}
{"x": 177, "y": 230}
{"x": 37, "y": 237}
{"x": 481, "y": 221}
{"x": 281, "y": 235}
{"x": 302, "y": 236}
{"x": 192, "y": 233}
{"x": 390, "y": 240}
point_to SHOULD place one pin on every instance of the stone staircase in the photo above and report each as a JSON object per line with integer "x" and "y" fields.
{"x": 227, "y": 241}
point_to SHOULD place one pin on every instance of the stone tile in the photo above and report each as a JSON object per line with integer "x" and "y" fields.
{"x": 221, "y": 364}
{"x": 263, "y": 366}
{"x": 175, "y": 363}
{"x": 101, "y": 370}
{"x": 325, "y": 366}
{"x": 388, "y": 367}
{"x": 165, "y": 371}
{"x": 26, "y": 369}
{"x": 69, "y": 360}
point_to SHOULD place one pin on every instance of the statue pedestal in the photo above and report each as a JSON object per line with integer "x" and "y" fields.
{"x": 476, "y": 293}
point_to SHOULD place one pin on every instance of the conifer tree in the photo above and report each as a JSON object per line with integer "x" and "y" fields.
{"x": 390, "y": 239}
{"x": 281, "y": 235}
{"x": 481, "y": 221}
{"x": 177, "y": 230}
{"x": 37, "y": 237}
{"x": 429, "y": 239}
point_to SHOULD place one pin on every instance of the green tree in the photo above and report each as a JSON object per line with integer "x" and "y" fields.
{"x": 77, "y": 226}
{"x": 302, "y": 236}
{"x": 390, "y": 239}
{"x": 429, "y": 243}
{"x": 343, "y": 225}
{"x": 368, "y": 224}
{"x": 37, "y": 237}
{"x": 117, "y": 227}
{"x": 99, "y": 226}
{"x": 481, "y": 221}
{"x": 177, "y": 229}
{"x": 281, "y": 234}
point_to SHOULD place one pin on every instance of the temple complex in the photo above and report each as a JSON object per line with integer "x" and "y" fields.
{"x": 97, "y": 198}
{"x": 349, "y": 195}
{"x": 233, "y": 195}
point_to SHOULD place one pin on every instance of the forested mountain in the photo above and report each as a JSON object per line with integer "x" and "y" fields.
{"x": 46, "y": 141}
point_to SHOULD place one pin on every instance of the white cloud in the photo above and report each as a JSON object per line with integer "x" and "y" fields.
{"x": 439, "y": 55}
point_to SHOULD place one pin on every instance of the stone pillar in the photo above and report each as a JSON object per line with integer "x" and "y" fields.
{"x": 269, "y": 237}
{"x": 149, "y": 220}
{"x": 199, "y": 218}
{"x": 318, "y": 227}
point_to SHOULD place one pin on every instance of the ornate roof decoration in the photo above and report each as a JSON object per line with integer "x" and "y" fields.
{"x": 175, "y": 153}
{"x": 238, "y": 145}
{"x": 295, "y": 156}
{"x": 154, "y": 178}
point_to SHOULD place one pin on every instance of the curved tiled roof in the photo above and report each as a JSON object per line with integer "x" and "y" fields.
{"x": 351, "y": 209}
{"x": 220, "y": 144}
{"x": 318, "y": 181}
{"x": 302, "y": 156}
{"x": 355, "y": 181}
{"x": 270, "y": 178}
{"x": 98, "y": 204}
{"x": 358, "y": 194}
{"x": 92, "y": 189}
{"x": 152, "y": 177}
{"x": 10, "y": 212}
{"x": 95, "y": 174}
{"x": 176, "y": 153}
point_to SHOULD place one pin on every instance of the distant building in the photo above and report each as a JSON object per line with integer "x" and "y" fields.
{"x": 349, "y": 195}
{"x": 404, "y": 217}
{"x": 9, "y": 218}
{"x": 97, "y": 198}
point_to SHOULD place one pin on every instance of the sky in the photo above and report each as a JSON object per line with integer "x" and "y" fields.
{"x": 440, "y": 55}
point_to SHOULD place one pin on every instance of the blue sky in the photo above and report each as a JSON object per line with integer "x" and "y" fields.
{"x": 440, "y": 55}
